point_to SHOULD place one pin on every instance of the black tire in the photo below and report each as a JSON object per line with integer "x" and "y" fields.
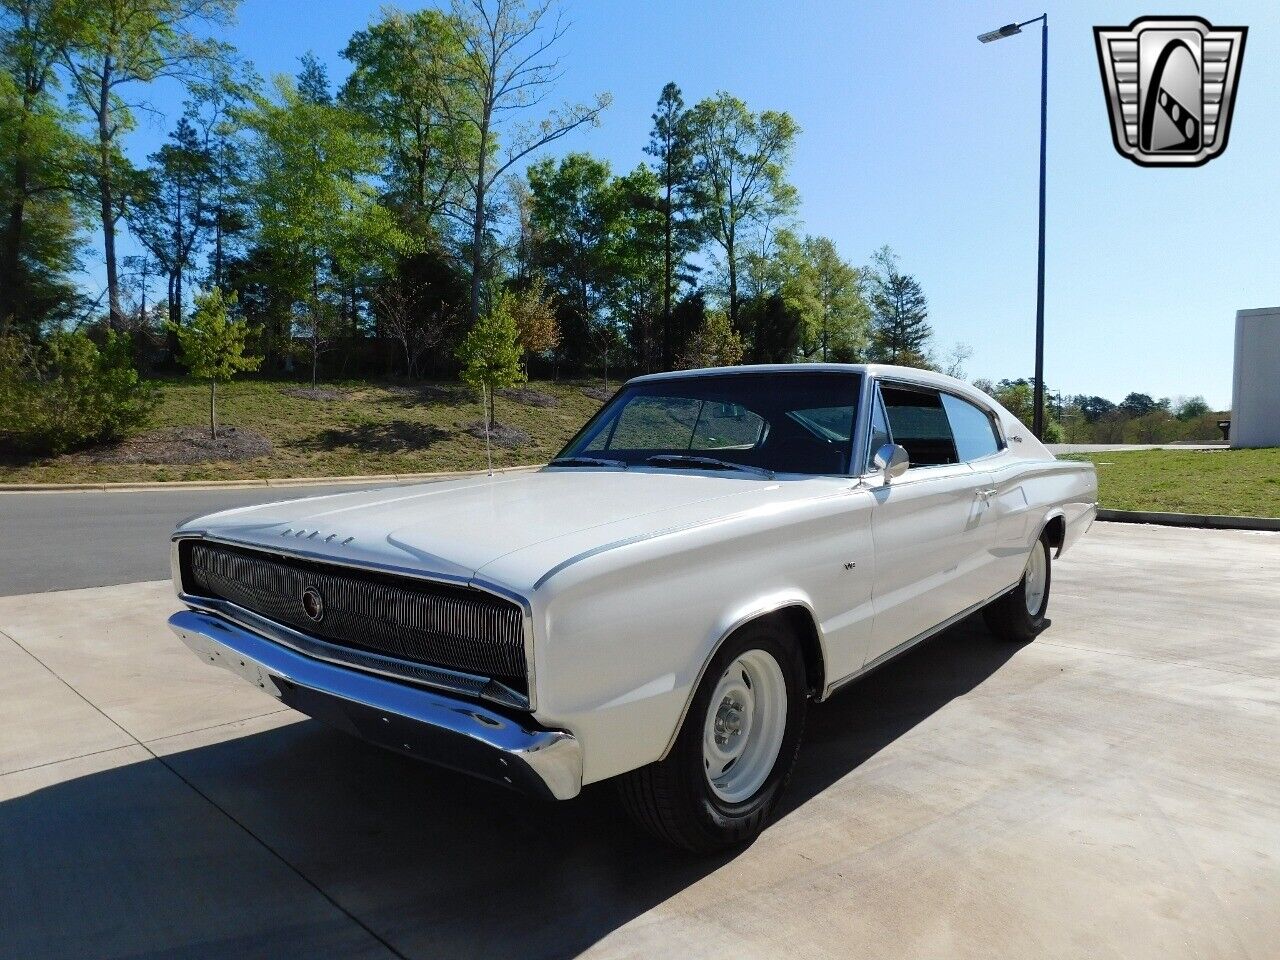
{"x": 672, "y": 798}
{"x": 1008, "y": 617}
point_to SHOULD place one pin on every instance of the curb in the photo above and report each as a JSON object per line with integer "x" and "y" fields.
{"x": 253, "y": 483}
{"x": 1208, "y": 521}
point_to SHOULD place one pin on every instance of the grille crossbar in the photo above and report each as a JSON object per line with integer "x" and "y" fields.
{"x": 457, "y": 628}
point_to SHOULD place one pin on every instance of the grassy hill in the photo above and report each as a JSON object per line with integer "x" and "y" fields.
{"x": 283, "y": 429}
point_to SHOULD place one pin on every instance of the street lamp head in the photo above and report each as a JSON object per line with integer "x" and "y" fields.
{"x": 1008, "y": 30}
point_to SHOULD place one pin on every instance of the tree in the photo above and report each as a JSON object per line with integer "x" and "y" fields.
{"x": 170, "y": 215}
{"x": 403, "y": 68}
{"x": 318, "y": 219}
{"x": 491, "y": 352}
{"x": 953, "y": 366}
{"x": 118, "y": 44}
{"x": 1189, "y": 408}
{"x": 1018, "y": 397}
{"x": 216, "y": 110}
{"x": 672, "y": 148}
{"x": 574, "y": 221}
{"x": 837, "y": 318}
{"x": 900, "y": 314}
{"x": 537, "y": 326}
{"x": 1140, "y": 404}
{"x": 741, "y": 162}
{"x": 635, "y": 264}
{"x": 504, "y": 70}
{"x": 714, "y": 344}
{"x": 417, "y": 326}
{"x": 1093, "y": 408}
{"x": 39, "y": 155}
{"x": 212, "y": 345}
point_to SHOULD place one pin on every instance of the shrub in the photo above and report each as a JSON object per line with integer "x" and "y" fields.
{"x": 70, "y": 393}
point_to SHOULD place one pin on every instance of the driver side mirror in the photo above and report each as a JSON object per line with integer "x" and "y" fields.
{"x": 893, "y": 460}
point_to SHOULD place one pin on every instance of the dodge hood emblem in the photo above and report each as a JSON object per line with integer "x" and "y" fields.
{"x": 1170, "y": 84}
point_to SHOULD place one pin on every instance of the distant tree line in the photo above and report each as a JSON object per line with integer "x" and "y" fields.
{"x": 1138, "y": 418}
{"x": 368, "y": 226}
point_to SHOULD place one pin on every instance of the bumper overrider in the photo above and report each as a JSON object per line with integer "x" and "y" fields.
{"x": 421, "y": 723}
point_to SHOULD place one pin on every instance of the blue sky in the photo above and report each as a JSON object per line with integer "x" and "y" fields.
{"x": 916, "y": 135}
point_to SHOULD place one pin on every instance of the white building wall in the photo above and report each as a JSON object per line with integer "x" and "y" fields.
{"x": 1255, "y": 392}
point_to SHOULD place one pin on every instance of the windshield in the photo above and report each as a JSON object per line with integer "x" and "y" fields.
{"x": 798, "y": 422}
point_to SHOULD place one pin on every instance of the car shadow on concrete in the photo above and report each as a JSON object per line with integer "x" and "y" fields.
{"x": 131, "y": 862}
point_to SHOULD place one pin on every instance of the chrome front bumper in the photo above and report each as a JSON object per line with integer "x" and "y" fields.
{"x": 418, "y": 722}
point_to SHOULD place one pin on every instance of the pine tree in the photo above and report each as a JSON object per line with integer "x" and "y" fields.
{"x": 900, "y": 314}
{"x": 671, "y": 146}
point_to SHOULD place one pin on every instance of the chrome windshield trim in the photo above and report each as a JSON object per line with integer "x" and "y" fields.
{"x": 419, "y": 674}
{"x": 497, "y": 590}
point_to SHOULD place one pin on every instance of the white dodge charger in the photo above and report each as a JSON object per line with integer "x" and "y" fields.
{"x": 660, "y": 602}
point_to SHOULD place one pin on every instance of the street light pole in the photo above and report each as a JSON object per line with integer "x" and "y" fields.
{"x": 1037, "y": 422}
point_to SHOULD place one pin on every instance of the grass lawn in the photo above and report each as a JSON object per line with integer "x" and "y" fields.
{"x": 1242, "y": 483}
{"x": 371, "y": 428}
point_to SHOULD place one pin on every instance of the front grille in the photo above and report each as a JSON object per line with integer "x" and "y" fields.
{"x": 457, "y": 628}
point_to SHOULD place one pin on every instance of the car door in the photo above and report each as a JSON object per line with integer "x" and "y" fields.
{"x": 926, "y": 525}
{"x": 980, "y": 443}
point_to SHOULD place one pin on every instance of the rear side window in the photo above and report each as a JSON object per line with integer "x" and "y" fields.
{"x": 972, "y": 429}
{"x": 919, "y": 423}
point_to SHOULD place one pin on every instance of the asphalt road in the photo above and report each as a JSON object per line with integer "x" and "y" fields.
{"x": 62, "y": 541}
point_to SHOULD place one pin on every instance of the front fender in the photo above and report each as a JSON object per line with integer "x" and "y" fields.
{"x": 623, "y": 637}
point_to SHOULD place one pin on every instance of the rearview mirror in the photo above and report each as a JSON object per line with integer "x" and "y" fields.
{"x": 893, "y": 460}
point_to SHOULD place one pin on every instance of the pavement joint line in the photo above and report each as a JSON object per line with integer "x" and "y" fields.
{"x": 54, "y": 763}
{"x": 293, "y": 868}
{"x": 215, "y": 726}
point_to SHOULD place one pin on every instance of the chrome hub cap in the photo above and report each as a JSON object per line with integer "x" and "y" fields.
{"x": 745, "y": 723}
{"x": 1035, "y": 579}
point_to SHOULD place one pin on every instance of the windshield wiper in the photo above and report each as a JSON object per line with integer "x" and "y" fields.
{"x": 586, "y": 462}
{"x": 704, "y": 463}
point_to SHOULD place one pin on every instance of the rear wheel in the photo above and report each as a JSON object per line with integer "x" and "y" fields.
{"x": 734, "y": 753}
{"x": 1020, "y": 614}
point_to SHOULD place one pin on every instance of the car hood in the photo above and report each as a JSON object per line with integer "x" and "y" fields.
{"x": 454, "y": 527}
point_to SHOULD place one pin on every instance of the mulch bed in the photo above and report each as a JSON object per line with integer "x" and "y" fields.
{"x": 597, "y": 393}
{"x": 500, "y": 435}
{"x": 529, "y": 397}
{"x": 185, "y": 445}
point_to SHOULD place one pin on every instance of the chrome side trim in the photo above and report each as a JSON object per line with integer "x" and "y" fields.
{"x": 725, "y": 635}
{"x": 478, "y": 583}
{"x": 907, "y": 645}
{"x": 429, "y": 726}
{"x": 440, "y": 678}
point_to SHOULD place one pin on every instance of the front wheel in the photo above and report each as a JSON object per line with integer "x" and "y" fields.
{"x": 1019, "y": 615}
{"x": 734, "y": 753}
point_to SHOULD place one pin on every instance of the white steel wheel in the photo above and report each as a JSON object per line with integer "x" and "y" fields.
{"x": 1035, "y": 579}
{"x": 744, "y": 727}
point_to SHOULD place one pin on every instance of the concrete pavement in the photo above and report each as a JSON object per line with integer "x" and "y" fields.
{"x": 1109, "y": 790}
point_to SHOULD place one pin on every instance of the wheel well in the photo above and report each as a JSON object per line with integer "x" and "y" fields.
{"x": 1056, "y": 531}
{"x": 799, "y": 623}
